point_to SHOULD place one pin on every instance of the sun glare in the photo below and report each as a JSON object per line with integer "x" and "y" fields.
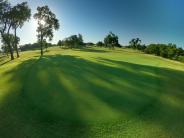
{"x": 34, "y": 23}
{"x": 42, "y": 22}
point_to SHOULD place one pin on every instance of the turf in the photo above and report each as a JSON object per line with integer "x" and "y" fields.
{"x": 89, "y": 93}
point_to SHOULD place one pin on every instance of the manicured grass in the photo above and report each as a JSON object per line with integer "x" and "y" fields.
{"x": 91, "y": 92}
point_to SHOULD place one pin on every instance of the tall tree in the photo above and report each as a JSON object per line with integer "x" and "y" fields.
{"x": 100, "y": 44}
{"x": 4, "y": 10}
{"x": 6, "y": 16}
{"x": 111, "y": 40}
{"x": 60, "y": 43}
{"x": 74, "y": 41}
{"x": 47, "y": 22}
{"x": 21, "y": 13}
{"x": 80, "y": 39}
{"x": 135, "y": 43}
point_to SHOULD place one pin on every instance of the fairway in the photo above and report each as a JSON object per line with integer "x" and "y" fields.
{"x": 91, "y": 93}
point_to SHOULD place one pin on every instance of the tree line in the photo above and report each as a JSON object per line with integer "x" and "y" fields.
{"x": 76, "y": 41}
{"x": 170, "y": 51}
{"x": 111, "y": 40}
{"x": 35, "y": 46}
{"x": 165, "y": 50}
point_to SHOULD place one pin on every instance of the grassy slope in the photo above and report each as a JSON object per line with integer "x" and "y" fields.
{"x": 91, "y": 93}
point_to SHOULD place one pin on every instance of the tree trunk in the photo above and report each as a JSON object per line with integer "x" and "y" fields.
{"x": 9, "y": 45}
{"x": 11, "y": 51}
{"x": 41, "y": 44}
{"x": 16, "y": 48}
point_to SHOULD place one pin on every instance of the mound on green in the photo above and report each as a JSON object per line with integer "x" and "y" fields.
{"x": 88, "y": 93}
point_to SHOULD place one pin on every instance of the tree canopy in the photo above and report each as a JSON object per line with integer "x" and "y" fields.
{"x": 47, "y": 22}
{"x": 165, "y": 50}
{"x": 74, "y": 41}
{"x": 111, "y": 40}
{"x": 21, "y": 14}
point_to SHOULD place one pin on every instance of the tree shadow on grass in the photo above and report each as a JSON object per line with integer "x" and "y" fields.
{"x": 66, "y": 96}
{"x": 4, "y": 59}
{"x": 3, "y": 62}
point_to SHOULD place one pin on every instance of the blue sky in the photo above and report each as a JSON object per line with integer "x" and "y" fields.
{"x": 154, "y": 21}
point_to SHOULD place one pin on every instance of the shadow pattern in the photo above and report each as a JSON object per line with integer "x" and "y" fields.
{"x": 67, "y": 96}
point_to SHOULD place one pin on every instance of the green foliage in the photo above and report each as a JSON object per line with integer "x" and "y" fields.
{"x": 74, "y": 41}
{"x": 153, "y": 49}
{"x": 80, "y": 39}
{"x": 181, "y": 58}
{"x": 167, "y": 51}
{"x": 135, "y": 43}
{"x": 100, "y": 44}
{"x": 47, "y": 22}
{"x": 21, "y": 13}
{"x": 12, "y": 18}
{"x": 60, "y": 43}
{"x": 111, "y": 40}
{"x": 27, "y": 47}
{"x": 9, "y": 39}
{"x": 5, "y": 49}
{"x": 89, "y": 44}
{"x": 5, "y": 16}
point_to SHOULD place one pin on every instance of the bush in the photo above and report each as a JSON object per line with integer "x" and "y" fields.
{"x": 181, "y": 58}
{"x": 165, "y": 50}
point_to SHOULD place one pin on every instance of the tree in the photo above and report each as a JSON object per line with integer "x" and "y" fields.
{"x": 165, "y": 50}
{"x": 47, "y": 22}
{"x": 152, "y": 49}
{"x": 21, "y": 13}
{"x": 111, "y": 40}
{"x": 6, "y": 16}
{"x": 45, "y": 44}
{"x": 5, "y": 50}
{"x": 9, "y": 39}
{"x": 12, "y": 17}
{"x": 5, "y": 8}
{"x": 172, "y": 51}
{"x": 74, "y": 41}
{"x": 33, "y": 46}
{"x": 59, "y": 43}
{"x": 80, "y": 40}
{"x": 135, "y": 43}
{"x": 180, "y": 52}
{"x": 100, "y": 44}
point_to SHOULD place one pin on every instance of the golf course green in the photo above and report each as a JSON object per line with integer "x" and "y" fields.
{"x": 91, "y": 93}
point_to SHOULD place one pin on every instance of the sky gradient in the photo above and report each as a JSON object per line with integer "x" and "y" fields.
{"x": 154, "y": 21}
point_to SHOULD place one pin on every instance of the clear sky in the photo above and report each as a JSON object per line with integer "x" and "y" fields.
{"x": 154, "y": 21}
